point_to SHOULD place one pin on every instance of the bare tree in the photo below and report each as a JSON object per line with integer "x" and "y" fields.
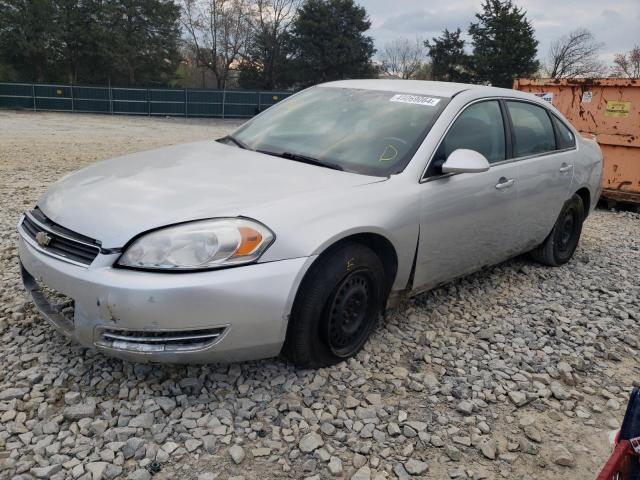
{"x": 274, "y": 16}
{"x": 627, "y": 64}
{"x": 219, "y": 32}
{"x": 403, "y": 58}
{"x": 575, "y": 55}
{"x": 424, "y": 72}
{"x": 271, "y": 20}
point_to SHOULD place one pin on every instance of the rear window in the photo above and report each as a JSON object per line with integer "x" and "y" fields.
{"x": 532, "y": 129}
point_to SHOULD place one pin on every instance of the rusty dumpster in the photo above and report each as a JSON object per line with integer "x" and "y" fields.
{"x": 608, "y": 109}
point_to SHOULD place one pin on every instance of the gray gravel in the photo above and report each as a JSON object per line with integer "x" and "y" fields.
{"x": 516, "y": 372}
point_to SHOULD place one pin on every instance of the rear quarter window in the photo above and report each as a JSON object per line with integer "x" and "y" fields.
{"x": 566, "y": 138}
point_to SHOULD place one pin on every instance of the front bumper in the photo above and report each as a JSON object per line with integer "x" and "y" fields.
{"x": 247, "y": 306}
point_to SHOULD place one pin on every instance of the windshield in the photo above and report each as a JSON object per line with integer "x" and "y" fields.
{"x": 362, "y": 131}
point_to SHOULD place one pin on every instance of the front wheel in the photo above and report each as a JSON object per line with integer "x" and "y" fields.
{"x": 563, "y": 240}
{"x": 337, "y": 307}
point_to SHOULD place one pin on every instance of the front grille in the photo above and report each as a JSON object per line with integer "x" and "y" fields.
{"x": 60, "y": 241}
{"x": 159, "y": 341}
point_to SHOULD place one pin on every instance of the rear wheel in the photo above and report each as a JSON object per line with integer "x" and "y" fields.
{"x": 337, "y": 307}
{"x": 563, "y": 240}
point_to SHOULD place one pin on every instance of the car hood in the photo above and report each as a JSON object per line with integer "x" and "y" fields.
{"x": 115, "y": 200}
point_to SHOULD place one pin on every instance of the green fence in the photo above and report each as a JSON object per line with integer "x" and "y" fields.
{"x": 137, "y": 101}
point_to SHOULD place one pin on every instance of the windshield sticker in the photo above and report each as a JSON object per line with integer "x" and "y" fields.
{"x": 416, "y": 100}
{"x": 390, "y": 153}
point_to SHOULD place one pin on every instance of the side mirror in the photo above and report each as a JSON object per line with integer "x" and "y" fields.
{"x": 465, "y": 161}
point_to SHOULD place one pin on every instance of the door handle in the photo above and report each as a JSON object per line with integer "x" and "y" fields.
{"x": 505, "y": 183}
{"x": 564, "y": 168}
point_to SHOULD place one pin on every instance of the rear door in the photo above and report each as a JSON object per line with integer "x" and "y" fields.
{"x": 544, "y": 151}
{"x": 466, "y": 220}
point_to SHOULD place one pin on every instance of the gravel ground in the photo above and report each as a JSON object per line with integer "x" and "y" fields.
{"x": 517, "y": 372}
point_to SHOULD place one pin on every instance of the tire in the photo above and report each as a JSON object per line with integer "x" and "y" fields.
{"x": 337, "y": 307}
{"x": 563, "y": 240}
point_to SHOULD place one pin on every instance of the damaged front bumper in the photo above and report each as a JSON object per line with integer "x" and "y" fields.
{"x": 223, "y": 315}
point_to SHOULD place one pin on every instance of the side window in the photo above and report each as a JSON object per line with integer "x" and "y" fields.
{"x": 566, "y": 139}
{"x": 532, "y": 129}
{"x": 479, "y": 127}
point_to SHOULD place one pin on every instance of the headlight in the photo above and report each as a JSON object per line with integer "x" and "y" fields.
{"x": 199, "y": 245}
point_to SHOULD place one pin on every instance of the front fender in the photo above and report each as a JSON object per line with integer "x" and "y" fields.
{"x": 311, "y": 225}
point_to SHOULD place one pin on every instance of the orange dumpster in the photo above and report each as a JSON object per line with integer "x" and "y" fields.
{"x": 608, "y": 109}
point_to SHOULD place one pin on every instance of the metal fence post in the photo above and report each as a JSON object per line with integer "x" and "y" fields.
{"x": 259, "y": 101}
{"x": 148, "y": 103}
{"x": 224, "y": 101}
{"x": 72, "y": 105}
{"x": 33, "y": 95}
{"x": 110, "y": 98}
{"x": 186, "y": 103}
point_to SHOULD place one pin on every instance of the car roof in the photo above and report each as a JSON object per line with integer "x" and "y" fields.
{"x": 424, "y": 87}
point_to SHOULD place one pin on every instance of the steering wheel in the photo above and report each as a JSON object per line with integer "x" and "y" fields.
{"x": 390, "y": 151}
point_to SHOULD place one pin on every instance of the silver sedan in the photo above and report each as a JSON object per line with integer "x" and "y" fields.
{"x": 296, "y": 231}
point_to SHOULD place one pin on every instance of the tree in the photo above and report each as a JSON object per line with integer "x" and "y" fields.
{"x": 424, "y": 72}
{"x": 126, "y": 41}
{"x": 144, "y": 40}
{"x": 190, "y": 74}
{"x": 504, "y": 46}
{"x": 219, "y": 31}
{"x": 449, "y": 62}
{"x": 266, "y": 61}
{"x": 81, "y": 41}
{"x": 26, "y": 31}
{"x": 402, "y": 58}
{"x": 328, "y": 42}
{"x": 575, "y": 55}
{"x": 627, "y": 64}
{"x": 6, "y": 73}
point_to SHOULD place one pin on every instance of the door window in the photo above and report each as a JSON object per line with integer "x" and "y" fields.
{"x": 479, "y": 127}
{"x": 566, "y": 139}
{"x": 532, "y": 129}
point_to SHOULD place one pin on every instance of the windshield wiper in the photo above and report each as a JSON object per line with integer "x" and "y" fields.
{"x": 240, "y": 144}
{"x": 296, "y": 157}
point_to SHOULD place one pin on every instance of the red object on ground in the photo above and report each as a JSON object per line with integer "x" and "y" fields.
{"x": 618, "y": 467}
{"x": 624, "y": 463}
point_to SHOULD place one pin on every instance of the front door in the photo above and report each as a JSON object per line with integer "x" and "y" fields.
{"x": 467, "y": 220}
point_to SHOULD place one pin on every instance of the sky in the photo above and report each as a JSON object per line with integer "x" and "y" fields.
{"x": 616, "y": 23}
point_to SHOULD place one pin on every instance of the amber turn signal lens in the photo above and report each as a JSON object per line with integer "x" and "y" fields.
{"x": 250, "y": 239}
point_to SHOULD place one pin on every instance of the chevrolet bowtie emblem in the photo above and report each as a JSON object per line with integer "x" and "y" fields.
{"x": 43, "y": 239}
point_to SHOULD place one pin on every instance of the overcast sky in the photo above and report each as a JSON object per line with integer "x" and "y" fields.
{"x": 616, "y": 23}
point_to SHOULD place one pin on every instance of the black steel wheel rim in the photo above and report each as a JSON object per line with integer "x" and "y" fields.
{"x": 350, "y": 314}
{"x": 566, "y": 240}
